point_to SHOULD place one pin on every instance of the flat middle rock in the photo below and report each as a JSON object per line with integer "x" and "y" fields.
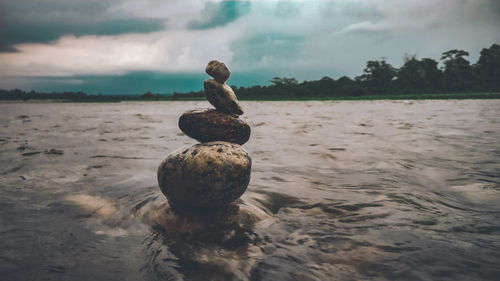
{"x": 207, "y": 125}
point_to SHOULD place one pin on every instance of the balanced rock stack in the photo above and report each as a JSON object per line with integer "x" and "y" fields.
{"x": 215, "y": 172}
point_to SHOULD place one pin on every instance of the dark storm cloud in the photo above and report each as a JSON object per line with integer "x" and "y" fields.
{"x": 494, "y": 7}
{"x": 219, "y": 14}
{"x": 32, "y": 21}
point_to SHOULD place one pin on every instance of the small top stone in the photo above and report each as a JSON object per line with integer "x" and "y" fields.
{"x": 218, "y": 70}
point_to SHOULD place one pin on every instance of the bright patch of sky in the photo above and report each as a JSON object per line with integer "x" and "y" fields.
{"x": 132, "y": 46}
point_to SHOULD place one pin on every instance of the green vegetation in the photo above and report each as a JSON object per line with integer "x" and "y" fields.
{"x": 415, "y": 79}
{"x": 381, "y": 96}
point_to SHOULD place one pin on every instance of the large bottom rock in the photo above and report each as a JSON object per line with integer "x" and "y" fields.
{"x": 207, "y": 175}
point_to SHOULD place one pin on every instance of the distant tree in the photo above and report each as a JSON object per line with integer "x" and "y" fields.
{"x": 345, "y": 80}
{"x": 326, "y": 81}
{"x": 487, "y": 68}
{"x": 283, "y": 87}
{"x": 457, "y": 73}
{"x": 79, "y": 95}
{"x": 147, "y": 95}
{"x": 418, "y": 74}
{"x": 279, "y": 82}
{"x": 378, "y": 75}
{"x": 431, "y": 72}
{"x": 345, "y": 86}
{"x": 326, "y": 85}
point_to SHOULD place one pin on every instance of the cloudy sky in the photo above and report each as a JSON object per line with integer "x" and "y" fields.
{"x": 132, "y": 46}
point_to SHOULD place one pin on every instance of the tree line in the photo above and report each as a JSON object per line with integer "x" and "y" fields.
{"x": 17, "y": 94}
{"x": 416, "y": 76}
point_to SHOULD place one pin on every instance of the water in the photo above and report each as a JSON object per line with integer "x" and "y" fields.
{"x": 364, "y": 190}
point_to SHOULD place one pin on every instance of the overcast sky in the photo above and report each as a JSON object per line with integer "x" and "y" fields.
{"x": 131, "y": 46}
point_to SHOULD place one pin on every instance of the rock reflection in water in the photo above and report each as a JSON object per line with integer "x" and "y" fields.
{"x": 203, "y": 244}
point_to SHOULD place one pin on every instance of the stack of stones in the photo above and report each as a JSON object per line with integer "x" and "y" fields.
{"x": 215, "y": 172}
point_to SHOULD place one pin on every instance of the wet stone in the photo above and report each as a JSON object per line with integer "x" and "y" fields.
{"x": 218, "y": 70}
{"x": 207, "y": 175}
{"x": 222, "y": 97}
{"x": 207, "y": 125}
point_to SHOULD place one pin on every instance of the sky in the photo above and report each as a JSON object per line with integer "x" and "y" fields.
{"x": 134, "y": 46}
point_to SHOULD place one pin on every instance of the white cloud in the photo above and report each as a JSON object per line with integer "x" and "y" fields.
{"x": 160, "y": 51}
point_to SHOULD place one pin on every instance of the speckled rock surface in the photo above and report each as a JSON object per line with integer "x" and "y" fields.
{"x": 207, "y": 125}
{"x": 207, "y": 175}
{"x": 222, "y": 97}
{"x": 218, "y": 70}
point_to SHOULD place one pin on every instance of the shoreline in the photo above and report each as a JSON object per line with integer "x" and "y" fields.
{"x": 439, "y": 96}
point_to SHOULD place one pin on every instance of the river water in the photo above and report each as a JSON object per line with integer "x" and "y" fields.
{"x": 361, "y": 190}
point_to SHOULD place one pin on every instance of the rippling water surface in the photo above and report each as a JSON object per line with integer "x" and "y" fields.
{"x": 365, "y": 190}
